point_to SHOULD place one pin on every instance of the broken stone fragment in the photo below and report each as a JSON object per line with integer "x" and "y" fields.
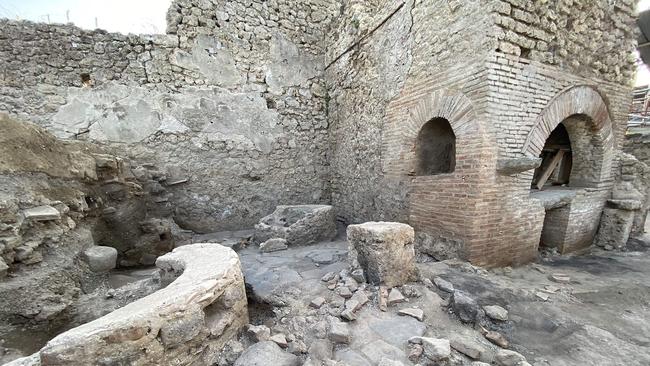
{"x": 496, "y": 312}
{"x": 339, "y": 332}
{"x": 436, "y": 349}
{"x": 395, "y": 297}
{"x": 384, "y": 251}
{"x": 415, "y": 353}
{"x": 259, "y": 332}
{"x": 468, "y": 347}
{"x": 559, "y": 278}
{"x": 495, "y": 337}
{"x": 358, "y": 276}
{"x": 344, "y": 292}
{"x": 444, "y": 285}
{"x": 328, "y": 276}
{"x": 348, "y": 314}
{"x": 317, "y": 302}
{"x": 383, "y": 298}
{"x": 298, "y": 224}
{"x": 266, "y": 353}
{"x": 464, "y": 306}
{"x": 273, "y": 245}
{"x": 542, "y": 296}
{"x": 412, "y": 312}
{"x": 280, "y": 340}
{"x": 509, "y": 358}
{"x": 360, "y": 297}
{"x": 100, "y": 258}
{"x": 42, "y": 213}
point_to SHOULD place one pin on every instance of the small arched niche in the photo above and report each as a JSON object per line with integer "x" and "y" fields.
{"x": 435, "y": 148}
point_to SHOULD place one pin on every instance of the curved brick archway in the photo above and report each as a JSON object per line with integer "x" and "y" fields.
{"x": 399, "y": 139}
{"x": 577, "y": 102}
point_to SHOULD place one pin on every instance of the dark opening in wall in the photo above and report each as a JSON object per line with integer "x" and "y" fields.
{"x": 435, "y": 148}
{"x": 557, "y": 160}
{"x": 85, "y": 79}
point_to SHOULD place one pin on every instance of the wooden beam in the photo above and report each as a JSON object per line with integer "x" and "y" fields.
{"x": 549, "y": 169}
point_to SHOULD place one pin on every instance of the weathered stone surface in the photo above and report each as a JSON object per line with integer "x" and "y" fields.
{"x": 384, "y": 250}
{"x": 436, "y": 349}
{"x": 615, "y": 227}
{"x": 42, "y": 213}
{"x": 100, "y": 258}
{"x": 205, "y": 305}
{"x": 298, "y": 224}
{"x": 508, "y": 358}
{"x": 395, "y": 297}
{"x": 412, "y": 312}
{"x": 260, "y": 332}
{"x": 444, "y": 285}
{"x": 273, "y": 245}
{"x": 339, "y": 332}
{"x": 266, "y": 353}
{"x": 468, "y": 347}
{"x": 464, "y": 306}
{"x": 496, "y": 312}
{"x": 518, "y": 165}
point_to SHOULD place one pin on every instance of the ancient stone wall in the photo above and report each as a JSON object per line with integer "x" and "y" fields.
{"x": 585, "y": 37}
{"x": 231, "y": 102}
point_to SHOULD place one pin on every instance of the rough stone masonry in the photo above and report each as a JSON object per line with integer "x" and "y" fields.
{"x": 245, "y": 105}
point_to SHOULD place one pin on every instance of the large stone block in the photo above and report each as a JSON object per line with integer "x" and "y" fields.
{"x": 100, "y": 258}
{"x": 298, "y": 224}
{"x": 384, "y": 250}
{"x": 615, "y": 227}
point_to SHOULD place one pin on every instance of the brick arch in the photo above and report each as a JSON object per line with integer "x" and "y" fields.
{"x": 400, "y": 138}
{"x": 583, "y": 101}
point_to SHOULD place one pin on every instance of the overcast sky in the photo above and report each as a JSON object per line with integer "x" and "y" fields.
{"x": 125, "y": 16}
{"x": 131, "y": 16}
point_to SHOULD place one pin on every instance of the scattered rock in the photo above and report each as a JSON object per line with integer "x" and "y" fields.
{"x": 328, "y": 276}
{"x": 410, "y": 291}
{"x": 358, "y": 276}
{"x": 415, "y": 353}
{"x": 266, "y": 353}
{"x": 348, "y": 315}
{"x": 273, "y": 245}
{"x": 317, "y": 302}
{"x": 100, "y": 258}
{"x": 344, "y": 292}
{"x": 559, "y": 278}
{"x": 495, "y": 337}
{"x": 413, "y": 312}
{"x": 427, "y": 282}
{"x": 496, "y": 312}
{"x": 464, "y": 306}
{"x": 468, "y": 347}
{"x": 444, "y": 285}
{"x": 260, "y": 332}
{"x": 383, "y": 298}
{"x": 339, "y": 332}
{"x": 542, "y": 296}
{"x": 395, "y": 297}
{"x": 360, "y": 297}
{"x": 279, "y": 339}
{"x": 509, "y": 358}
{"x": 436, "y": 349}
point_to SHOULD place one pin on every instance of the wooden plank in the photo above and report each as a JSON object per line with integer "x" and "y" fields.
{"x": 549, "y": 169}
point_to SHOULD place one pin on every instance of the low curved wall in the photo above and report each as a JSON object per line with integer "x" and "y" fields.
{"x": 187, "y": 322}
